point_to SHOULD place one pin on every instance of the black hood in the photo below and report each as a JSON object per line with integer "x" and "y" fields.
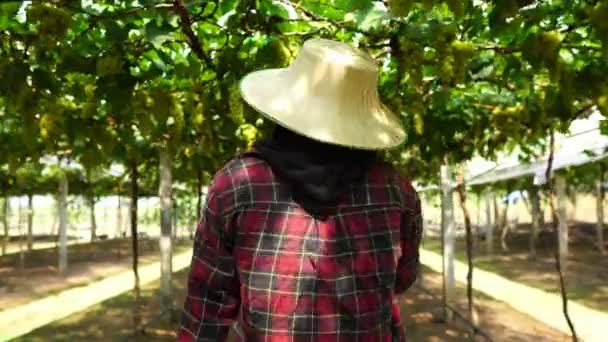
{"x": 319, "y": 173}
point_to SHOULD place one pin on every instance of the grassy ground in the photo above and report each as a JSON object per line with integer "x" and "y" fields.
{"x": 111, "y": 320}
{"x": 586, "y": 277}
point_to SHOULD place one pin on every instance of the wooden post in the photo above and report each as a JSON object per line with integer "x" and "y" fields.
{"x": 20, "y": 232}
{"x": 505, "y": 225}
{"x": 5, "y": 223}
{"x": 55, "y": 225}
{"x": 165, "y": 231}
{"x": 478, "y": 208}
{"x": 419, "y": 273}
{"x": 496, "y": 217}
{"x": 535, "y": 204}
{"x": 447, "y": 233}
{"x": 149, "y": 212}
{"x": 175, "y": 218}
{"x": 30, "y": 222}
{"x": 600, "y": 211}
{"x": 92, "y": 217}
{"x": 128, "y": 222}
{"x": 574, "y": 201}
{"x": 562, "y": 201}
{"x": 489, "y": 224}
{"x": 119, "y": 219}
{"x": 63, "y": 222}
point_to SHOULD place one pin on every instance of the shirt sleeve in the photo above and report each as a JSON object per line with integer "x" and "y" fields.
{"x": 411, "y": 234}
{"x": 212, "y": 301}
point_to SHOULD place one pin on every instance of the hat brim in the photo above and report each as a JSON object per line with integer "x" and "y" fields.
{"x": 273, "y": 94}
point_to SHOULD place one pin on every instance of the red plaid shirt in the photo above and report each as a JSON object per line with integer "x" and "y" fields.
{"x": 282, "y": 275}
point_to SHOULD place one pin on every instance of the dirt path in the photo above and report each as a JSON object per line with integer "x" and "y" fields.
{"x": 90, "y": 312}
{"x": 110, "y": 320}
{"x": 421, "y": 310}
{"x": 20, "y": 288}
{"x": 543, "y": 306}
{"x": 18, "y": 321}
{"x": 496, "y": 319}
{"x": 587, "y": 270}
{"x": 89, "y": 262}
{"x": 14, "y": 248}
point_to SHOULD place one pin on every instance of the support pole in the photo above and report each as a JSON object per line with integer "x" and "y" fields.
{"x": 166, "y": 291}
{"x": 92, "y": 218}
{"x": 447, "y": 233}
{"x": 63, "y": 223}
{"x": 562, "y": 200}
{"x": 119, "y": 219}
{"x": 535, "y": 204}
{"x": 30, "y": 222}
{"x": 489, "y": 224}
{"x": 600, "y": 211}
{"x": 5, "y": 223}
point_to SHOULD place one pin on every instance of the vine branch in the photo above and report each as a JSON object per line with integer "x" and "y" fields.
{"x": 469, "y": 237}
{"x": 186, "y": 24}
{"x": 555, "y": 223}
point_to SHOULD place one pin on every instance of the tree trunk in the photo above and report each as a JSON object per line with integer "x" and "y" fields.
{"x": 63, "y": 223}
{"x": 165, "y": 229}
{"x": 447, "y": 241}
{"x": 489, "y": 224}
{"x": 5, "y": 223}
{"x": 469, "y": 237}
{"x": 562, "y": 201}
{"x": 30, "y": 222}
{"x": 134, "y": 245}
{"x": 535, "y": 213}
{"x": 93, "y": 221}
{"x": 600, "y": 211}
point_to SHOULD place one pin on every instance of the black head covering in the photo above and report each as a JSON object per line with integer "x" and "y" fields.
{"x": 319, "y": 173}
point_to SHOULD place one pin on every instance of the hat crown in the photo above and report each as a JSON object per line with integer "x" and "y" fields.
{"x": 332, "y": 52}
{"x": 335, "y": 69}
{"x": 328, "y": 93}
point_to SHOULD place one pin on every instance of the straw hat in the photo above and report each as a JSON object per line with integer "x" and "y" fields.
{"x": 329, "y": 94}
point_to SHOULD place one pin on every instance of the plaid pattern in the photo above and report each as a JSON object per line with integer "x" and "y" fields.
{"x": 261, "y": 260}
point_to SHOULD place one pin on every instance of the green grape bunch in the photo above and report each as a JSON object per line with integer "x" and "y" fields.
{"x": 53, "y": 22}
{"x": 274, "y": 54}
{"x": 109, "y": 65}
{"x": 400, "y": 8}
